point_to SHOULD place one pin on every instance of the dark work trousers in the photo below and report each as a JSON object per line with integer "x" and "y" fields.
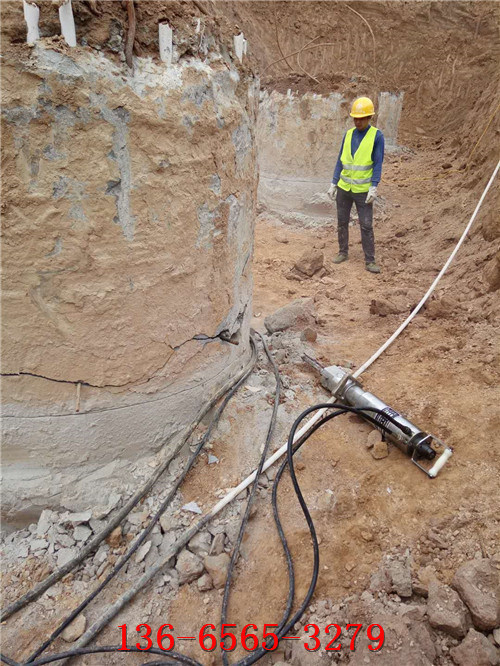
{"x": 365, "y": 214}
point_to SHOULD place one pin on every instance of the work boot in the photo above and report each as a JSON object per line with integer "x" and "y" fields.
{"x": 372, "y": 267}
{"x": 340, "y": 258}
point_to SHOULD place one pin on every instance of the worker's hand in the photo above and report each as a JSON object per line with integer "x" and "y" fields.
{"x": 372, "y": 195}
{"x": 331, "y": 191}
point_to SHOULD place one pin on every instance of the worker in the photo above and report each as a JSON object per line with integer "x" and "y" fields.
{"x": 356, "y": 178}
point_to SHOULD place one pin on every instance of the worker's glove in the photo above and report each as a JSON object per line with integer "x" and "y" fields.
{"x": 331, "y": 191}
{"x": 372, "y": 194}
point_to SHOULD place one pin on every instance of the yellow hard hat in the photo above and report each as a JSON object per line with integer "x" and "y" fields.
{"x": 361, "y": 107}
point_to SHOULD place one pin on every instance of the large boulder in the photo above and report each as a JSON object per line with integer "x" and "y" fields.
{"x": 216, "y": 565}
{"x": 475, "y": 650}
{"x": 200, "y": 543}
{"x": 477, "y": 583}
{"x": 189, "y": 567}
{"x": 297, "y": 314}
{"x": 400, "y": 573}
{"x": 384, "y": 307}
{"x": 310, "y": 262}
{"x": 446, "y": 610}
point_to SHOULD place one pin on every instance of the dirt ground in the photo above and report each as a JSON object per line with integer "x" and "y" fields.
{"x": 442, "y": 372}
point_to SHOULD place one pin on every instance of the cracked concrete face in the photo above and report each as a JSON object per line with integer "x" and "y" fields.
{"x": 128, "y": 236}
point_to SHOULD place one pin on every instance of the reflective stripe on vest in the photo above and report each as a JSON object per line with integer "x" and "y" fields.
{"x": 358, "y": 181}
{"x": 362, "y": 161}
{"x": 357, "y": 167}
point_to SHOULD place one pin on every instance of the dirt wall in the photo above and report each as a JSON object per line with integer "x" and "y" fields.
{"x": 379, "y": 43}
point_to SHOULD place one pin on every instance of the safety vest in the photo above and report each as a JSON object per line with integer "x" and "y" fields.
{"x": 357, "y": 171}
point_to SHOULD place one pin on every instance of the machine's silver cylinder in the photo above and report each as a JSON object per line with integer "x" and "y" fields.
{"x": 349, "y": 391}
{"x": 413, "y": 441}
{"x": 356, "y": 396}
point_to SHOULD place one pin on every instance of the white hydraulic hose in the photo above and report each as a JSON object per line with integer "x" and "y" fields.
{"x": 382, "y": 349}
{"x": 309, "y": 424}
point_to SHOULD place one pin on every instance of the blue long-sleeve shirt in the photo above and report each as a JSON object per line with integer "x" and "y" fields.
{"x": 377, "y": 155}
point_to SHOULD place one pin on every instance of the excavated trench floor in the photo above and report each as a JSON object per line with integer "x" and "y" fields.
{"x": 442, "y": 372}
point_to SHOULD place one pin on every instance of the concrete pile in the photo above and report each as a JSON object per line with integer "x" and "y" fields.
{"x": 129, "y": 203}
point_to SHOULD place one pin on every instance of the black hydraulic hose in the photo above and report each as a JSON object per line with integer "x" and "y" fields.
{"x": 287, "y": 624}
{"x": 253, "y": 490}
{"x": 159, "y": 663}
{"x": 279, "y": 527}
{"x": 145, "y": 533}
{"x": 291, "y": 450}
{"x": 286, "y": 549}
{"x": 174, "y": 657}
{"x": 93, "y": 544}
{"x": 281, "y": 533}
{"x": 8, "y": 661}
